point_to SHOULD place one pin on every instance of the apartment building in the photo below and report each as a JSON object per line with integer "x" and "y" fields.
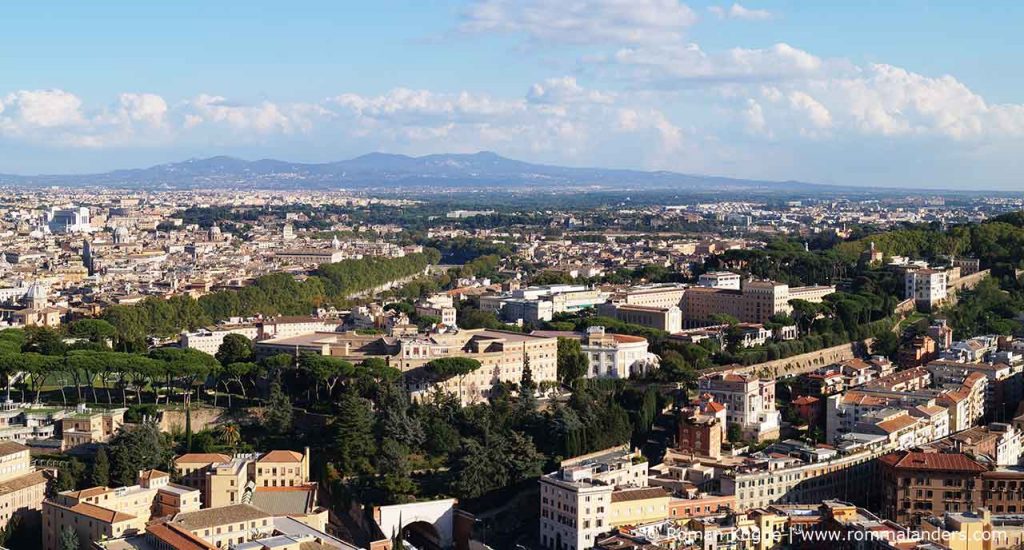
{"x": 700, "y": 431}
{"x": 754, "y": 302}
{"x": 1004, "y": 387}
{"x": 918, "y": 484}
{"x": 22, "y": 487}
{"x": 914, "y": 390}
{"x": 661, "y": 296}
{"x": 668, "y": 319}
{"x": 719, "y": 279}
{"x": 226, "y": 526}
{"x": 749, "y": 403}
{"x": 576, "y": 501}
{"x": 225, "y": 480}
{"x": 87, "y": 426}
{"x": 998, "y": 443}
{"x": 808, "y": 477}
{"x": 927, "y": 287}
{"x": 105, "y": 513}
{"x": 281, "y": 469}
{"x": 209, "y": 341}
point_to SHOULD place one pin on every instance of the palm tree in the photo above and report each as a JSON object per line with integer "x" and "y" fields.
{"x": 230, "y": 435}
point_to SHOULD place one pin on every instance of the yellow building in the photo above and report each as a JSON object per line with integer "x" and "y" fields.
{"x": 103, "y": 512}
{"x": 281, "y": 469}
{"x": 192, "y": 468}
{"x": 22, "y": 487}
{"x": 86, "y": 426}
{"x": 223, "y": 480}
{"x": 227, "y": 525}
{"x": 635, "y": 506}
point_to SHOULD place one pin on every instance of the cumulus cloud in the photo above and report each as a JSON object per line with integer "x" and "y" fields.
{"x": 582, "y": 22}
{"x": 688, "y": 62}
{"x": 887, "y": 101}
{"x": 27, "y": 109}
{"x": 755, "y": 121}
{"x": 565, "y": 90}
{"x": 265, "y": 117}
{"x": 149, "y": 109}
{"x": 737, "y": 11}
{"x": 417, "y": 106}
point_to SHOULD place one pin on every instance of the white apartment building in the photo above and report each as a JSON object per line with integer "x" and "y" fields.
{"x": 610, "y": 355}
{"x": 927, "y": 287}
{"x": 616, "y": 355}
{"x": 719, "y": 279}
{"x": 749, "y": 403}
{"x": 575, "y": 501}
{"x": 209, "y": 341}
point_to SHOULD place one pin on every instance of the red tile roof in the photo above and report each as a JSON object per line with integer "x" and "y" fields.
{"x": 936, "y": 462}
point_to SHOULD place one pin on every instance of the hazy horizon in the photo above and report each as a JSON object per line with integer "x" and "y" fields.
{"x": 912, "y": 95}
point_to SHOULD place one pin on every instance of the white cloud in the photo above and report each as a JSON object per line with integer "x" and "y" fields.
{"x": 886, "y": 101}
{"x": 737, "y": 11}
{"x": 42, "y": 109}
{"x": 816, "y": 113}
{"x": 689, "y": 62}
{"x": 755, "y": 121}
{"x": 150, "y": 109}
{"x": 582, "y": 22}
{"x": 415, "y": 106}
{"x": 565, "y": 90}
{"x": 670, "y": 136}
{"x": 265, "y": 117}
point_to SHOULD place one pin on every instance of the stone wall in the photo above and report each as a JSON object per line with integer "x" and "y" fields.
{"x": 806, "y": 362}
{"x": 202, "y": 418}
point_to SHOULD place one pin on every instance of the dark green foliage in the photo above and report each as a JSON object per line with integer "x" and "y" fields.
{"x": 100, "y": 473}
{"x": 132, "y": 450}
{"x": 68, "y": 538}
{"x": 277, "y": 416}
{"x": 572, "y": 362}
{"x": 503, "y": 460}
{"x": 236, "y": 348}
{"x": 277, "y": 293}
{"x": 355, "y": 446}
{"x": 448, "y": 367}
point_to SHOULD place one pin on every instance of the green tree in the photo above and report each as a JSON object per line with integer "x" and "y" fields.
{"x": 572, "y": 362}
{"x": 236, "y": 348}
{"x": 733, "y": 433}
{"x": 277, "y": 415}
{"x": 886, "y": 344}
{"x": 100, "y": 475}
{"x": 354, "y": 443}
{"x": 132, "y": 450}
{"x": 68, "y": 538}
{"x": 94, "y": 330}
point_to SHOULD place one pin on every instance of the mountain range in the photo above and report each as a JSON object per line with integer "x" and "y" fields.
{"x": 389, "y": 171}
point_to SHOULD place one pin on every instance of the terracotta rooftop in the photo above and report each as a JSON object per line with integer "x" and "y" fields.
{"x": 99, "y": 513}
{"x": 202, "y": 458}
{"x": 935, "y": 462}
{"x": 639, "y": 494}
{"x": 175, "y": 537}
{"x": 281, "y": 456}
{"x": 212, "y": 517}
{"x": 10, "y": 447}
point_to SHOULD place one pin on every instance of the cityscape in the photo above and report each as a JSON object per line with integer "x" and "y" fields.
{"x": 467, "y": 322}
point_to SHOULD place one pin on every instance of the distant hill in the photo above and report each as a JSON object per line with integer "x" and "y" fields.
{"x": 478, "y": 170}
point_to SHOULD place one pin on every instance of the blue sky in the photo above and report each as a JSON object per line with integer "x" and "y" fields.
{"x": 916, "y": 94}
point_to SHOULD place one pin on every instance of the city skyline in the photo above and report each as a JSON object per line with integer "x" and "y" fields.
{"x": 915, "y": 95}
